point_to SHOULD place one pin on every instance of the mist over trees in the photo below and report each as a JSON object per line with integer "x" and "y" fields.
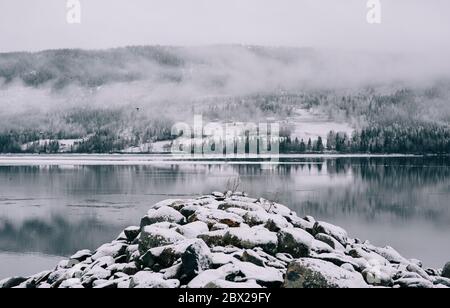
{"x": 107, "y": 101}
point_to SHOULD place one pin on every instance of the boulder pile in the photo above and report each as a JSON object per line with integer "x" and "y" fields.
{"x": 228, "y": 240}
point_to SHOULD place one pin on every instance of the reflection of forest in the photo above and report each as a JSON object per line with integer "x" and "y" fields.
{"x": 397, "y": 187}
{"x": 57, "y": 236}
{"x": 368, "y": 189}
{"x": 396, "y": 173}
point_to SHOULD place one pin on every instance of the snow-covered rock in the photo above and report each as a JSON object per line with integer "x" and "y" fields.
{"x": 331, "y": 241}
{"x": 11, "y": 282}
{"x": 446, "y": 271}
{"x": 114, "y": 250}
{"x": 336, "y": 232}
{"x": 81, "y": 255}
{"x": 379, "y": 276}
{"x": 391, "y": 255}
{"x": 163, "y": 214}
{"x": 195, "y": 259}
{"x": 207, "y": 277}
{"x": 295, "y": 241}
{"x": 251, "y": 238}
{"x": 166, "y": 256}
{"x": 131, "y": 233}
{"x": 265, "y": 276}
{"x": 146, "y": 279}
{"x": 313, "y": 273}
{"x": 152, "y": 237}
{"x": 193, "y": 229}
{"x": 414, "y": 283}
{"x": 212, "y": 217}
{"x": 72, "y": 283}
{"x": 247, "y": 206}
{"x": 224, "y": 284}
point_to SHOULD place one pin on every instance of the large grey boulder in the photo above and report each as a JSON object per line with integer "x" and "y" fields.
{"x": 112, "y": 249}
{"x": 295, "y": 241}
{"x": 249, "y": 238}
{"x": 152, "y": 236}
{"x": 414, "y": 283}
{"x": 162, "y": 214}
{"x": 131, "y": 233}
{"x": 146, "y": 279}
{"x": 312, "y": 273}
{"x": 214, "y": 216}
{"x": 193, "y": 229}
{"x": 334, "y": 231}
{"x": 446, "y": 271}
{"x": 195, "y": 259}
{"x": 12, "y": 282}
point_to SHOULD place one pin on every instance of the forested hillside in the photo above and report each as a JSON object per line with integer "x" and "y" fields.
{"x": 108, "y": 101}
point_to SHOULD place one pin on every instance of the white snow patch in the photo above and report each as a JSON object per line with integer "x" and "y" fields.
{"x": 193, "y": 229}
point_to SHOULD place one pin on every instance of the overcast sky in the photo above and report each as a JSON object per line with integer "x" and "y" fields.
{"x": 407, "y": 25}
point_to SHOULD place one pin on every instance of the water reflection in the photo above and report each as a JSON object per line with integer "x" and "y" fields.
{"x": 57, "y": 210}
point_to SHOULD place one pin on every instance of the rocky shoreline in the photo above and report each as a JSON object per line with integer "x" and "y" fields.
{"x": 233, "y": 241}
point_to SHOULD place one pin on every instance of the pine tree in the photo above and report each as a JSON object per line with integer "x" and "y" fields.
{"x": 319, "y": 146}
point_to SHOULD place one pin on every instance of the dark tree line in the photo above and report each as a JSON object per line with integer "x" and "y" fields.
{"x": 287, "y": 145}
{"x": 401, "y": 139}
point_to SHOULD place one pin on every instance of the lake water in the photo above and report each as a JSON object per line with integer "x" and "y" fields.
{"x": 49, "y": 211}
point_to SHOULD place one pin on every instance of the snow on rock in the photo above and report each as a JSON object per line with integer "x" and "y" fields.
{"x": 331, "y": 241}
{"x": 176, "y": 204}
{"x": 359, "y": 251}
{"x": 313, "y": 273}
{"x": 258, "y": 257}
{"x": 339, "y": 259}
{"x": 166, "y": 255}
{"x": 251, "y": 238}
{"x": 295, "y": 242}
{"x": 146, "y": 279}
{"x": 391, "y": 255}
{"x": 379, "y": 276}
{"x": 163, "y": 214}
{"x": 132, "y": 233}
{"x": 224, "y": 284}
{"x": 211, "y": 217}
{"x": 95, "y": 273}
{"x": 240, "y": 205}
{"x": 210, "y": 276}
{"x": 193, "y": 229}
{"x": 218, "y": 194}
{"x": 214, "y": 238}
{"x": 152, "y": 237}
{"x": 195, "y": 259}
{"x": 11, "y": 282}
{"x": 321, "y": 247}
{"x": 446, "y": 271}
{"x": 414, "y": 283}
{"x": 441, "y": 281}
{"x": 275, "y": 208}
{"x": 228, "y": 240}
{"x": 270, "y": 221}
{"x": 219, "y": 226}
{"x": 81, "y": 255}
{"x": 265, "y": 276}
{"x": 113, "y": 250}
{"x": 72, "y": 283}
{"x": 298, "y": 222}
{"x": 336, "y": 232}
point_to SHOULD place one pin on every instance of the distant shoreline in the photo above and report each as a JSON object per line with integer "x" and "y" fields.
{"x": 151, "y": 159}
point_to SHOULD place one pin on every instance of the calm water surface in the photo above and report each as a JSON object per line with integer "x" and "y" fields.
{"x": 49, "y": 212}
